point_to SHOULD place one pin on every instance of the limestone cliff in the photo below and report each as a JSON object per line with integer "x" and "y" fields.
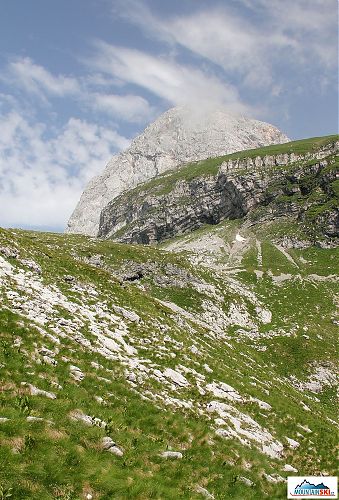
{"x": 176, "y": 137}
{"x": 297, "y": 178}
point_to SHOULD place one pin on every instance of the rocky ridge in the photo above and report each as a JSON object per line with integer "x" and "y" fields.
{"x": 178, "y": 136}
{"x": 288, "y": 181}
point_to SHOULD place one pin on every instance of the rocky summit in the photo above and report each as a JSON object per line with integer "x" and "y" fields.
{"x": 180, "y": 135}
{"x": 201, "y": 364}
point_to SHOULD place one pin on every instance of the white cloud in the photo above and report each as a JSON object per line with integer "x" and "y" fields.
{"x": 34, "y": 78}
{"x": 311, "y": 27}
{"x": 297, "y": 34}
{"x": 131, "y": 108}
{"x": 169, "y": 80}
{"x": 215, "y": 34}
{"x": 315, "y": 16}
{"x": 41, "y": 178}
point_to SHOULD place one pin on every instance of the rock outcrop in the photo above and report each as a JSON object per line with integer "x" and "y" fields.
{"x": 181, "y": 202}
{"x": 176, "y": 137}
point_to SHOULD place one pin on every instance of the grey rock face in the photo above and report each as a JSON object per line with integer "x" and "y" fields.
{"x": 153, "y": 213}
{"x": 157, "y": 218}
{"x": 176, "y": 137}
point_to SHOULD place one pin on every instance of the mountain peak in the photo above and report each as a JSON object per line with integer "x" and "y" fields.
{"x": 178, "y": 136}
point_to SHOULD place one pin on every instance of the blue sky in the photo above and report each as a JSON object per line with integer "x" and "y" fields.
{"x": 80, "y": 78}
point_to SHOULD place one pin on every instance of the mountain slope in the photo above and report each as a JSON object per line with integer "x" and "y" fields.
{"x": 180, "y": 135}
{"x": 297, "y": 177}
{"x": 219, "y": 348}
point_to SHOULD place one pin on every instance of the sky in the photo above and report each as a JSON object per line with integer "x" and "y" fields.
{"x": 80, "y": 78}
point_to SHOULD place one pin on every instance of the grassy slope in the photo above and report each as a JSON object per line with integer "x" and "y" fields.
{"x": 63, "y": 459}
{"x": 165, "y": 182}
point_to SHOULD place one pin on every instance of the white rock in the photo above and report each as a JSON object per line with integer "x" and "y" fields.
{"x": 207, "y": 368}
{"x": 265, "y": 315}
{"x": 79, "y": 415}
{"x": 219, "y": 421}
{"x": 224, "y": 433}
{"x": 31, "y": 265}
{"x": 131, "y": 377}
{"x": 239, "y": 238}
{"x": 204, "y": 492}
{"x": 99, "y": 423}
{"x": 246, "y": 429}
{"x": 321, "y": 377}
{"x": 176, "y": 377}
{"x": 273, "y": 449}
{"x": 246, "y": 481}
{"x": 49, "y": 361}
{"x": 171, "y": 454}
{"x": 76, "y": 373}
{"x": 130, "y": 315}
{"x": 259, "y": 274}
{"x": 194, "y": 349}
{"x": 116, "y": 451}
{"x": 9, "y": 252}
{"x": 34, "y": 391}
{"x": 224, "y": 391}
{"x": 87, "y": 419}
{"x": 5, "y": 267}
{"x": 305, "y": 407}
{"x": 107, "y": 442}
{"x": 292, "y": 443}
{"x": 34, "y": 419}
{"x": 38, "y": 419}
{"x": 273, "y": 478}
{"x": 47, "y": 352}
{"x": 262, "y": 404}
{"x": 109, "y": 445}
{"x": 289, "y": 468}
{"x": 304, "y": 428}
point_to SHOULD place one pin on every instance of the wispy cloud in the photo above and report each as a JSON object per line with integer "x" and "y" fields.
{"x": 174, "y": 82}
{"x": 32, "y": 78}
{"x": 294, "y": 34}
{"x": 312, "y": 28}
{"x": 132, "y": 108}
{"x": 23, "y": 72}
